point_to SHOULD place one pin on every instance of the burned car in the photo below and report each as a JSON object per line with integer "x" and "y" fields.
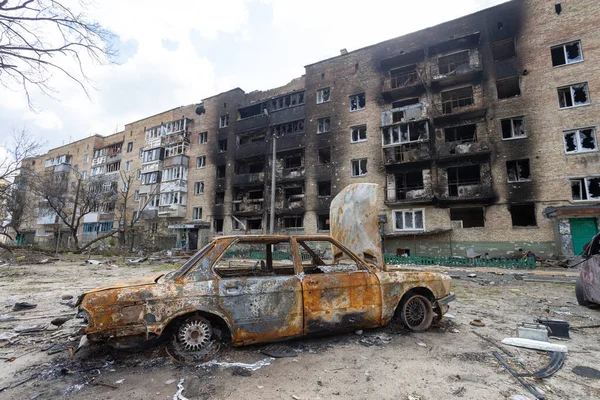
{"x": 252, "y": 289}
{"x": 587, "y": 288}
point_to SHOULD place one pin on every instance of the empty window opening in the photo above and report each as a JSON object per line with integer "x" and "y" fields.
{"x": 447, "y": 64}
{"x": 202, "y": 137}
{"x": 323, "y": 125}
{"x": 397, "y": 116}
{"x": 252, "y": 111}
{"x": 458, "y": 98}
{"x": 406, "y": 133}
{"x": 504, "y": 49}
{"x": 325, "y": 188}
{"x": 357, "y": 102}
{"x": 286, "y": 101}
{"x": 324, "y": 155}
{"x": 583, "y": 189}
{"x": 358, "y": 134}
{"x": 508, "y": 87}
{"x": 323, "y": 95}
{"x": 404, "y": 76}
{"x": 293, "y": 222}
{"x": 290, "y": 127}
{"x": 518, "y": 170}
{"x": 199, "y": 187}
{"x": 462, "y": 134}
{"x": 523, "y": 214}
{"x": 574, "y": 95}
{"x": 218, "y": 225}
{"x": 408, "y": 181}
{"x": 224, "y": 121}
{"x": 580, "y": 140}
{"x": 568, "y": 53}
{"x": 557, "y": 8}
{"x": 222, "y": 145}
{"x": 221, "y": 170}
{"x": 469, "y": 217}
{"x": 251, "y": 137}
{"x": 323, "y": 222}
{"x": 500, "y": 25}
{"x": 359, "y": 167}
{"x": 255, "y": 194}
{"x": 409, "y": 220}
{"x": 219, "y": 198}
{"x": 462, "y": 176}
{"x": 254, "y": 223}
{"x": 293, "y": 191}
{"x": 292, "y": 161}
{"x": 513, "y": 128}
{"x": 405, "y": 102}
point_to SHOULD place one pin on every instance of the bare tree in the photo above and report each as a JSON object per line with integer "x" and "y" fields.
{"x": 15, "y": 210}
{"x": 42, "y": 37}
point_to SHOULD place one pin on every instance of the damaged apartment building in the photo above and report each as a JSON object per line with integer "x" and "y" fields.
{"x": 481, "y": 133}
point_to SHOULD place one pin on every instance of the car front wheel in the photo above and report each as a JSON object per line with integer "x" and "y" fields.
{"x": 417, "y": 313}
{"x": 579, "y": 293}
{"x": 194, "y": 334}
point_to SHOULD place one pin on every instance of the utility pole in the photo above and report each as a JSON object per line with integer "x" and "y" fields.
{"x": 272, "y": 221}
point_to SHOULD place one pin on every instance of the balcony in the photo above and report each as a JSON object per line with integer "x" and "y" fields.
{"x": 403, "y": 114}
{"x": 406, "y": 153}
{"x": 178, "y": 185}
{"x": 255, "y": 122}
{"x": 177, "y": 160}
{"x": 47, "y": 217}
{"x": 287, "y": 114}
{"x": 146, "y": 189}
{"x": 149, "y": 213}
{"x": 474, "y": 191}
{"x": 291, "y": 174}
{"x": 155, "y": 142}
{"x": 291, "y": 141}
{"x": 249, "y": 206}
{"x": 251, "y": 149}
{"x": 152, "y": 166}
{"x": 90, "y": 217}
{"x": 291, "y": 205}
{"x": 171, "y": 211}
{"x": 102, "y": 217}
{"x": 418, "y": 194}
{"x": 66, "y": 168}
{"x": 114, "y": 158}
{"x": 402, "y": 82}
{"x": 457, "y": 68}
{"x": 460, "y": 148}
{"x": 248, "y": 179}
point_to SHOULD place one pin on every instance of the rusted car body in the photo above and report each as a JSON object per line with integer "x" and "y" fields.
{"x": 587, "y": 288}
{"x": 268, "y": 288}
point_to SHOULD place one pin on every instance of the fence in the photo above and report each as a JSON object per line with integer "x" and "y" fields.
{"x": 512, "y": 263}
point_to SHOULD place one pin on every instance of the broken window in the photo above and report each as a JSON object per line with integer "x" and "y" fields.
{"x": 292, "y": 161}
{"x": 585, "y": 189}
{"x": 197, "y": 213}
{"x": 323, "y": 256}
{"x": 201, "y": 162}
{"x": 199, "y": 187}
{"x": 406, "y": 133}
{"x": 408, "y": 181}
{"x": 218, "y": 225}
{"x": 357, "y": 102}
{"x": 518, "y": 170}
{"x": 295, "y": 221}
{"x": 222, "y": 145}
{"x": 504, "y": 49}
{"x": 224, "y": 121}
{"x": 457, "y": 98}
{"x": 324, "y": 155}
{"x": 404, "y": 76}
{"x": 323, "y": 95}
{"x": 463, "y": 134}
{"x": 508, "y": 87}
{"x": 289, "y": 127}
{"x": 574, "y": 95}
{"x": 458, "y": 177}
{"x": 255, "y": 223}
{"x": 523, "y": 214}
{"x": 469, "y": 217}
{"x": 219, "y": 198}
{"x": 288, "y": 100}
{"x": 252, "y": 111}
{"x": 323, "y": 125}
{"x": 358, "y": 134}
{"x": 447, "y": 64}
{"x": 397, "y": 116}
{"x": 359, "y": 167}
{"x": 129, "y": 147}
{"x": 409, "y": 220}
{"x": 251, "y": 137}
{"x": 202, "y": 137}
{"x": 405, "y": 102}
{"x": 323, "y": 222}
{"x": 256, "y": 258}
{"x": 513, "y": 128}
{"x": 221, "y": 170}
{"x": 325, "y": 188}
{"x": 580, "y": 140}
{"x": 566, "y": 54}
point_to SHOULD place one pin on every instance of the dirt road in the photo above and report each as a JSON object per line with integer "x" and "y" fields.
{"x": 387, "y": 363}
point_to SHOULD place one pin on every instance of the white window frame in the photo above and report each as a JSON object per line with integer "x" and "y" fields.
{"x": 512, "y": 128}
{"x": 86, "y": 158}
{"x": 136, "y": 196}
{"x": 128, "y": 166}
{"x": 585, "y": 187}
{"x": 199, "y": 185}
{"x": 83, "y": 175}
{"x": 320, "y": 96}
{"x": 395, "y": 214}
{"x": 578, "y": 140}
{"x": 357, "y": 103}
{"x": 203, "y": 137}
{"x": 224, "y": 121}
{"x": 564, "y": 47}
{"x": 358, "y": 127}
{"x": 321, "y": 125}
{"x": 195, "y": 212}
{"x": 571, "y": 91}
{"x": 202, "y": 164}
{"x": 359, "y": 160}
{"x": 517, "y": 179}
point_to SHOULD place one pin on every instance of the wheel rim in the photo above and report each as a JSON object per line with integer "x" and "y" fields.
{"x": 195, "y": 334}
{"x": 417, "y": 313}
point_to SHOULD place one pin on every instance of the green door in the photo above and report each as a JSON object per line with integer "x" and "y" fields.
{"x": 582, "y": 231}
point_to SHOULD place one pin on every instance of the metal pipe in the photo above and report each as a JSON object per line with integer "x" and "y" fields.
{"x": 272, "y": 221}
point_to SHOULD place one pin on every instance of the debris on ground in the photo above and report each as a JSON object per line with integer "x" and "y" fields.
{"x": 179, "y": 395}
{"x": 533, "y": 331}
{"x": 587, "y": 372}
{"x": 66, "y": 297}
{"x": 477, "y": 322}
{"x": 29, "y": 328}
{"x": 60, "y": 320}
{"x": 252, "y": 367}
{"x": 375, "y": 340}
{"x": 94, "y": 262}
{"x": 8, "y": 336}
{"x": 6, "y": 318}
{"x": 23, "y": 305}
{"x": 557, "y": 327}
{"x": 534, "y": 344}
{"x": 137, "y": 260}
{"x": 279, "y": 351}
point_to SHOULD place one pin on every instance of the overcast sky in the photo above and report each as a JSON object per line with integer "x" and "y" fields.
{"x": 179, "y": 52}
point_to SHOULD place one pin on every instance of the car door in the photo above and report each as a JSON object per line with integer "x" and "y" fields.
{"x": 259, "y": 290}
{"x": 339, "y": 291}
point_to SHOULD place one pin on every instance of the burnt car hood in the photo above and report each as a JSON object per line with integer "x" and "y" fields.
{"x": 147, "y": 280}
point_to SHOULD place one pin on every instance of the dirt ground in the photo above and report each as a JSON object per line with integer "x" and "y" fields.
{"x": 389, "y": 363}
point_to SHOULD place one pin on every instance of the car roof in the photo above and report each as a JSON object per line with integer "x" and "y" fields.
{"x": 279, "y": 237}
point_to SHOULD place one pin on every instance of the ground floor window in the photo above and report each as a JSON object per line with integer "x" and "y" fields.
{"x": 409, "y": 220}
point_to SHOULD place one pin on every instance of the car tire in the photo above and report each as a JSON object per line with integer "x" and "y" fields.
{"x": 580, "y": 294}
{"x": 417, "y": 313}
{"x": 194, "y": 334}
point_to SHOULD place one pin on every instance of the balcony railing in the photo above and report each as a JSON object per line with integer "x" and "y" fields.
{"x": 410, "y": 193}
{"x": 292, "y": 173}
{"x": 249, "y": 205}
{"x": 255, "y": 177}
{"x": 251, "y": 149}
{"x": 452, "y": 105}
{"x": 404, "y": 78}
{"x": 171, "y": 211}
{"x": 409, "y": 152}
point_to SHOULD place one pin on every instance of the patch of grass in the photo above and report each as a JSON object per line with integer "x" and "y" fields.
{"x": 164, "y": 267}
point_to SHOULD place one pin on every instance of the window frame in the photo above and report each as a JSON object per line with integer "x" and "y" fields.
{"x": 203, "y": 137}
{"x": 358, "y": 127}
{"x": 321, "y": 123}
{"x": 203, "y": 163}
{"x": 570, "y": 87}
{"x": 195, "y": 213}
{"x": 320, "y": 95}
{"x": 517, "y": 176}
{"x": 198, "y": 184}
{"x": 585, "y": 187}
{"x": 577, "y": 132}
{"x": 513, "y": 137}
{"x": 564, "y": 47}
{"x": 412, "y": 211}
{"x": 223, "y": 121}
{"x": 365, "y": 159}
{"x": 357, "y": 102}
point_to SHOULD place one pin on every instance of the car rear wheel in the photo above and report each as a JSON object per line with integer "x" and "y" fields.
{"x": 579, "y": 293}
{"x": 194, "y": 334}
{"x": 417, "y": 313}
